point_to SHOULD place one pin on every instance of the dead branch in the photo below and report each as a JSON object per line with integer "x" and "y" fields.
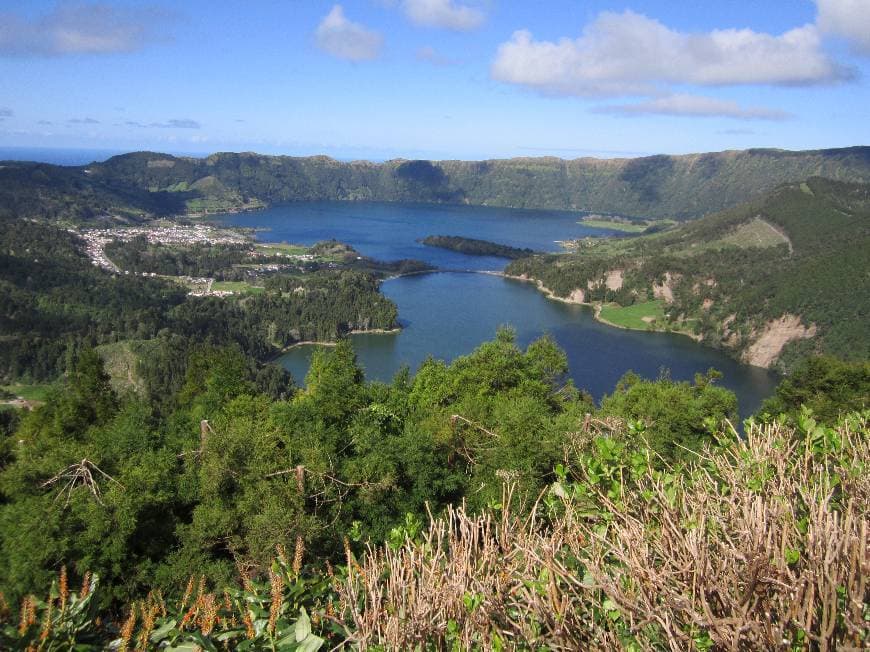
{"x": 79, "y": 475}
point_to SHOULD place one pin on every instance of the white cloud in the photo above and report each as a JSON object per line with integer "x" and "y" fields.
{"x": 175, "y": 123}
{"x": 736, "y": 132}
{"x": 694, "y": 106}
{"x": 5, "y": 112}
{"x": 182, "y": 123}
{"x": 83, "y": 121}
{"x": 630, "y": 54}
{"x": 80, "y": 28}
{"x": 443, "y": 13}
{"x": 847, "y": 18}
{"x": 345, "y": 39}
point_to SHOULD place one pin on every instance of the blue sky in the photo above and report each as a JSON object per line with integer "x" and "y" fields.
{"x": 466, "y": 79}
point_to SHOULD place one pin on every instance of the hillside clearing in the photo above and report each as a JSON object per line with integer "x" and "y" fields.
{"x": 640, "y": 316}
{"x": 236, "y": 287}
{"x": 29, "y": 392}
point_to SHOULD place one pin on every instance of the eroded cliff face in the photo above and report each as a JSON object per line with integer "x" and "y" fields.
{"x": 614, "y": 279}
{"x": 665, "y": 290}
{"x": 767, "y": 345}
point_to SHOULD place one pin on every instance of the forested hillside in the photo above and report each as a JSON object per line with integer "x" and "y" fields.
{"x": 145, "y": 183}
{"x": 773, "y": 280}
{"x": 56, "y": 302}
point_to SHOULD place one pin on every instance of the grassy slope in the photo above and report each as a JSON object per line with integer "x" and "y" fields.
{"x": 122, "y": 360}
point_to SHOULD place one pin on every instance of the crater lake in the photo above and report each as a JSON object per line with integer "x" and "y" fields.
{"x": 448, "y": 313}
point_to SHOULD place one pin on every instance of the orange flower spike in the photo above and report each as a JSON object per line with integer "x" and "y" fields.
{"x": 249, "y": 625}
{"x": 298, "y": 554}
{"x": 28, "y": 614}
{"x": 277, "y": 590}
{"x": 86, "y": 586}
{"x": 282, "y": 553}
{"x": 46, "y": 625}
{"x": 187, "y": 592}
{"x": 127, "y": 630}
{"x": 209, "y": 614}
{"x": 63, "y": 588}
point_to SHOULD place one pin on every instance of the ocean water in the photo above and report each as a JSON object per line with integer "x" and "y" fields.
{"x": 56, "y": 156}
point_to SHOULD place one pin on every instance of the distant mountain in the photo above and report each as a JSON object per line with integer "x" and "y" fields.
{"x": 147, "y": 184}
{"x": 772, "y": 280}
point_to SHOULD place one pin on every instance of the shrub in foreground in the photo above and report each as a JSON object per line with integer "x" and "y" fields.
{"x": 758, "y": 543}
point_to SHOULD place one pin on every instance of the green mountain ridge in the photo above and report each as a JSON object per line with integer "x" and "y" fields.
{"x": 146, "y": 184}
{"x": 772, "y": 281}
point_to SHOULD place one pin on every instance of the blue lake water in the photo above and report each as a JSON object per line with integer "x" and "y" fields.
{"x": 448, "y": 314}
{"x": 391, "y": 231}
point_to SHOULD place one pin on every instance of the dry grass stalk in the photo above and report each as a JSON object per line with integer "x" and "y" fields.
{"x": 743, "y": 551}
{"x": 733, "y": 561}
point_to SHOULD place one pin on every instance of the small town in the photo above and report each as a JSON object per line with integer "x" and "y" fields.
{"x": 95, "y": 241}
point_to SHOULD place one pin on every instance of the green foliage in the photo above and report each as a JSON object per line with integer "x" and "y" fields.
{"x": 63, "y": 621}
{"x": 674, "y": 418}
{"x": 56, "y": 303}
{"x": 221, "y": 476}
{"x": 827, "y": 386}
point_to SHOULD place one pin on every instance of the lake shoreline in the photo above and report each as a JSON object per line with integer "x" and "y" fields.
{"x": 364, "y": 331}
{"x": 596, "y": 307}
